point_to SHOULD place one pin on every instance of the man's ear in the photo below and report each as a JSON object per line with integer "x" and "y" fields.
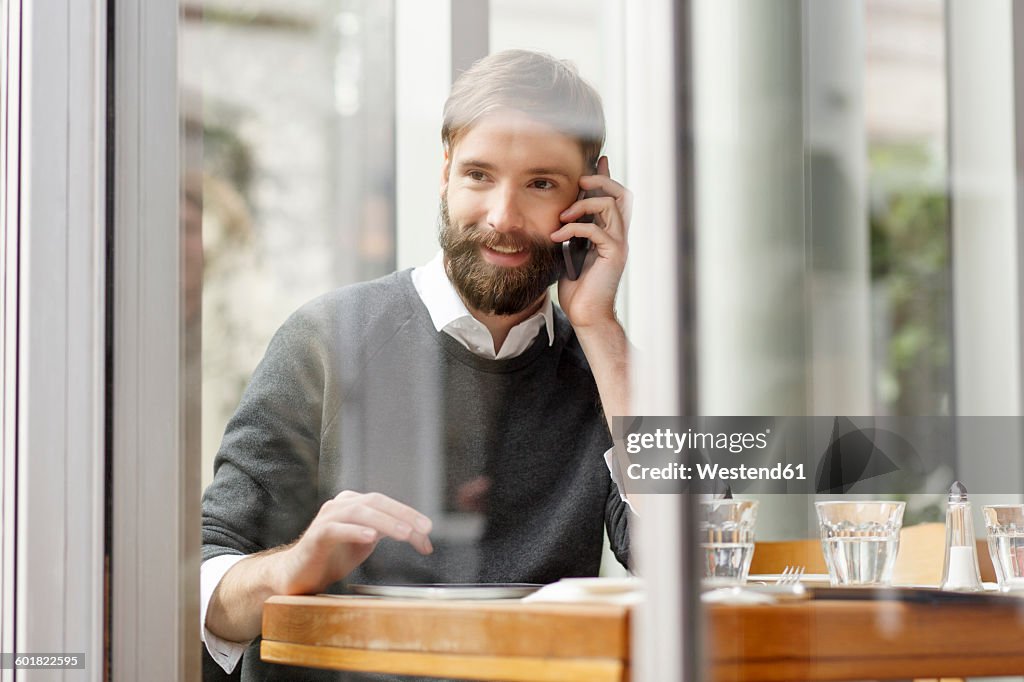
{"x": 446, "y": 168}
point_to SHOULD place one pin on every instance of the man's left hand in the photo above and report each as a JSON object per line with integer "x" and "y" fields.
{"x": 590, "y": 300}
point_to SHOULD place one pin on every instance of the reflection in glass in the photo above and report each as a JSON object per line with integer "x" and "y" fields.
{"x": 292, "y": 107}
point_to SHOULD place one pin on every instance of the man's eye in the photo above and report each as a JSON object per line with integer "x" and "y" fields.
{"x": 543, "y": 184}
{"x": 476, "y": 175}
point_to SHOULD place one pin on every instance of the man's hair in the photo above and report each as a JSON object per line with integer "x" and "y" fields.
{"x": 538, "y": 85}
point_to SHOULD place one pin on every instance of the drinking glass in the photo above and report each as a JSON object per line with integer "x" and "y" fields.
{"x": 1005, "y": 526}
{"x": 727, "y": 539}
{"x": 860, "y": 540}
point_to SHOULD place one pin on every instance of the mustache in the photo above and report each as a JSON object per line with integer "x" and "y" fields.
{"x": 483, "y": 236}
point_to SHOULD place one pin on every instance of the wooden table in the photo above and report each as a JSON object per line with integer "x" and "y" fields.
{"x": 484, "y": 640}
{"x": 858, "y": 640}
{"x": 507, "y": 640}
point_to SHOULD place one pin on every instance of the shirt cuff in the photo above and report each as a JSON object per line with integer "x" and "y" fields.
{"x": 608, "y": 455}
{"x": 225, "y": 652}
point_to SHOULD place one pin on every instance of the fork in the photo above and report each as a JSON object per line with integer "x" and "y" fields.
{"x": 790, "y": 575}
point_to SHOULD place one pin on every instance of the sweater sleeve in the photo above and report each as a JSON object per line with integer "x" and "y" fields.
{"x": 263, "y": 492}
{"x": 617, "y": 521}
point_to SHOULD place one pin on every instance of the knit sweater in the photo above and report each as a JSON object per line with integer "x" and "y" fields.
{"x": 358, "y": 391}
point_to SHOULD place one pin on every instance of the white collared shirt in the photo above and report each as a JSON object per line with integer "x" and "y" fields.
{"x": 450, "y": 315}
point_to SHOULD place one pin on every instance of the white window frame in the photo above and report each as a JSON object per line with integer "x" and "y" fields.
{"x": 983, "y": 204}
{"x": 659, "y": 637}
{"x": 984, "y": 231}
{"x": 10, "y": 89}
{"x": 54, "y": 224}
{"x": 156, "y": 480}
{"x": 55, "y": 592}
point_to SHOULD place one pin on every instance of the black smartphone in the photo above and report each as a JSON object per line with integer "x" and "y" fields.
{"x": 574, "y": 249}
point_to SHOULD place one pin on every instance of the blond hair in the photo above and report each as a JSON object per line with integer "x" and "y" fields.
{"x": 538, "y": 85}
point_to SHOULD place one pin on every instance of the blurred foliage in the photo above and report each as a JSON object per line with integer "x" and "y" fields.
{"x": 910, "y": 275}
{"x": 226, "y": 155}
{"x": 922, "y": 508}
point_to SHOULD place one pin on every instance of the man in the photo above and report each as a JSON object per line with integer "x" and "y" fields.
{"x": 457, "y": 380}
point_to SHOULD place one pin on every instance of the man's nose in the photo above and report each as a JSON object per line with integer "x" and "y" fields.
{"x": 504, "y": 213}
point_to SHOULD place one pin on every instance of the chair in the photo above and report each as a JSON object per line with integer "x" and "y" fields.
{"x": 773, "y": 557}
{"x": 922, "y": 552}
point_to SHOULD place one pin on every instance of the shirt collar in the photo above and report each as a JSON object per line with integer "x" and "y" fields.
{"x": 444, "y": 305}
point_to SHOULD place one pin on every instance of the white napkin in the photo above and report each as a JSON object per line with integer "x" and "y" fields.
{"x": 625, "y": 591}
{"x": 736, "y": 595}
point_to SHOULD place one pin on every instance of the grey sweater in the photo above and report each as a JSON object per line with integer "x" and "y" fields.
{"x": 359, "y": 391}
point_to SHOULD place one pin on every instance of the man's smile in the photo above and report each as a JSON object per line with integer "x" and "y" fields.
{"x": 505, "y": 256}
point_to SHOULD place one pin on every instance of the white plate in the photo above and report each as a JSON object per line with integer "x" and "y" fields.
{"x": 449, "y": 590}
{"x": 986, "y": 587}
{"x": 806, "y": 578}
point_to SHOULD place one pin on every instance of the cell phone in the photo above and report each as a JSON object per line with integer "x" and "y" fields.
{"x": 574, "y": 249}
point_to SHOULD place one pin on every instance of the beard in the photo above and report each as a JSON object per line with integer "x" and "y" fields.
{"x": 495, "y": 289}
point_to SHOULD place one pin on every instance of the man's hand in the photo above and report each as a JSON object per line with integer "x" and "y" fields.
{"x": 344, "y": 533}
{"x": 341, "y": 537}
{"x": 590, "y": 300}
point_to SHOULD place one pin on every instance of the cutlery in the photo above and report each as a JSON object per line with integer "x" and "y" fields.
{"x": 790, "y": 575}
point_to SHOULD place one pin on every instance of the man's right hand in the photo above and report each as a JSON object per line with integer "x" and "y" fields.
{"x": 344, "y": 533}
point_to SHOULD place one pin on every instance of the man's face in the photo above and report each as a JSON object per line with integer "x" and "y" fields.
{"x": 503, "y": 186}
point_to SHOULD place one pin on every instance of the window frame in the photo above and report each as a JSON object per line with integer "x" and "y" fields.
{"x": 54, "y": 337}
{"x": 155, "y": 480}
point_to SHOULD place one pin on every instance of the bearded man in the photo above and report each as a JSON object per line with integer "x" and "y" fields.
{"x": 447, "y": 423}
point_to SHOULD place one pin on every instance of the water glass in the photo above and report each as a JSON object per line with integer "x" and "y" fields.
{"x": 727, "y": 539}
{"x": 1005, "y": 525}
{"x": 860, "y": 540}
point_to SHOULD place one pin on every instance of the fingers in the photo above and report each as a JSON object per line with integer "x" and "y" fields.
{"x": 602, "y": 182}
{"x": 398, "y": 510}
{"x": 594, "y": 205}
{"x": 349, "y": 532}
{"x": 382, "y": 516}
{"x": 604, "y": 209}
{"x": 590, "y": 231}
{"x": 605, "y": 244}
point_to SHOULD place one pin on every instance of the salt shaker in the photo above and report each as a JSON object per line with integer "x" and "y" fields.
{"x": 960, "y": 572}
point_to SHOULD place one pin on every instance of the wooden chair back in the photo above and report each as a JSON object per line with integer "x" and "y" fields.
{"x": 922, "y": 552}
{"x": 773, "y": 557}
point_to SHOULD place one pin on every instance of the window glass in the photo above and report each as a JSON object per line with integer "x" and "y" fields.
{"x": 857, "y": 255}
{"x": 292, "y": 107}
{"x": 314, "y": 159}
{"x": 905, "y": 122}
